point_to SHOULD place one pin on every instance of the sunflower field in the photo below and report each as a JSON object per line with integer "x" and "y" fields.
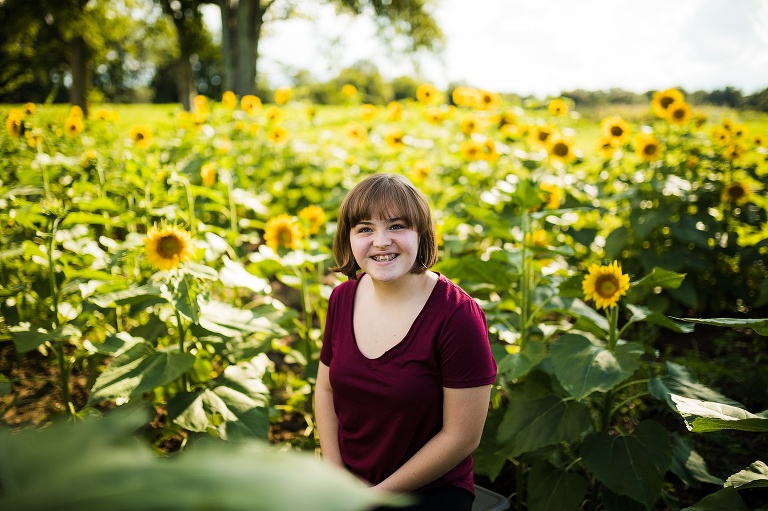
{"x": 167, "y": 274}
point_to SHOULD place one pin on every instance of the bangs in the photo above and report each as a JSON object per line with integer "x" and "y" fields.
{"x": 382, "y": 200}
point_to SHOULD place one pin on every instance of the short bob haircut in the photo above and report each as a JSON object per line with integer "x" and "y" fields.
{"x": 385, "y": 196}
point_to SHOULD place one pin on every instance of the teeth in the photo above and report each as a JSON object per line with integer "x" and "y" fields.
{"x": 384, "y": 258}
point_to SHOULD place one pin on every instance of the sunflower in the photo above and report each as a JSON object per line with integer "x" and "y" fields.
{"x": 14, "y": 123}
{"x": 488, "y": 100}
{"x": 394, "y": 111}
{"x": 273, "y": 114}
{"x": 314, "y": 216}
{"x": 739, "y": 131}
{"x": 282, "y": 231}
{"x": 76, "y": 111}
{"x": 736, "y": 193}
{"x": 89, "y": 159}
{"x": 141, "y": 136}
{"x": 368, "y": 112}
{"x": 34, "y": 137}
{"x": 250, "y": 104}
{"x": 605, "y": 285}
{"x": 420, "y": 170}
{"x": 277, "y": 135}
{"x": 471, "y": 150}
{"x": 615, "y": 130}
{"x": 229, "y": 100}
{"x": 434, "y": 115}
{"x": 282, "y": 95}
{"x": 549, "y": 195}
{"x": 102, "y": 114}
{"x": 647, "y": 147}
{"x": 201, "y": 104}
{"x": 394, "y": 139}
{"x": 721, "y": 135}
{"x": 30, "y": 108}
{"x": 510, "y": 131}
{"x": 356, "y": 132}
{"x": 606, "y": 147}
{"x": 465, "y": 96}
{"x": 679, "y": 112}
{"x": 537, "y": 238}
{"x": 560, "y": 149}
{"x": 167, "y": 246}
{"x": 310, "y": 112}
{"x": 734, "y": 151}
{"x": 73, "y": 126}
{"x": 470, "y": 124}
{"x": 541, "y": 135}
{"x": 208, "y": 174}
{"x": 426, "y": 93}
{"x": 557, "y": 107}
{"x": 759, "y": 140}
{"x": 489, "y": 150}
{"x": 507, "y": 117}
{"x": 662, "y": 100}
{"x": 349, "y": 90}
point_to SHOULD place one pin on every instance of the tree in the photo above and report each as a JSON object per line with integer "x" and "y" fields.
{"x": 242, "y": 22}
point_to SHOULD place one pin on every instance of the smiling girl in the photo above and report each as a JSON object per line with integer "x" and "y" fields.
{"x": 406, "y": 366}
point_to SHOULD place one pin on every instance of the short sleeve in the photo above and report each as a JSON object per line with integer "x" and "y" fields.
{"x": 464, "y": 350}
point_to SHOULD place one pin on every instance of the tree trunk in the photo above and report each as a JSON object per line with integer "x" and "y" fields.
{"x": 228, "y": 48}
{"x": 185, "y": 84}
{"x": 79, "y": 68}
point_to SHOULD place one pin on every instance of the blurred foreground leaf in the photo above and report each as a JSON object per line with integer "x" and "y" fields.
{"x": 97, "y": 464}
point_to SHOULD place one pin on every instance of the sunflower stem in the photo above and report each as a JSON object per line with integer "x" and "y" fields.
{"x": 613, "y": 320}
{"x": 182, "y": 348}
{"x": 232, "y": 206}
{"x": 58, "y": 346}
{"x": 525, "y": 283}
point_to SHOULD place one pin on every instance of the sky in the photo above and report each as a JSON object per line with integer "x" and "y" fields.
{"x": 543, "y": 47}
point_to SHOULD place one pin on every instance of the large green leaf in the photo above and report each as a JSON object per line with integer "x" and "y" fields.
{"x": 647, "y": 315}
{"x": 584, "y": 367}
{"x": 517, "y": 365}
{"x": 760, "y": 326}
{"x": 754, "y": 476}
{"x": 234, "y": 407}
{"x": 553, "y": 488}
{"x": 128, "y": 296}
{"x": 726, "y": 499}
{"x": 632, "y": 465}
{"x": 28, "y": 340}
{"x": 688, "y": 465}
{"x": 706, "y": 416}
{"x": 96, "y": 465}
{"x": 532, "y": 422}
{"x": 659, "y": 277}
{"x": 681, "y": 381}
{"x": 138, "y": 370}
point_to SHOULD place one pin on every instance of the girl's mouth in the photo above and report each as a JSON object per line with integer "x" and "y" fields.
{"x": 384, "y": 258}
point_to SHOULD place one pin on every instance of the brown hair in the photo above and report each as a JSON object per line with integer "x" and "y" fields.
{"x": 388, "y": 196}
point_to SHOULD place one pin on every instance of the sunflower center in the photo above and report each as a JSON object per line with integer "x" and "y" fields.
{"x": 736, "y": 192}
{"x": 649, "y": 149}
{"x": 169, "y": 247}
{"x": 285, "y": 237}
{"x": 560, "y": 149}
{"x": 606, "y": 286}
{"x": 665, "y": 102}
{"x": 617, "y": 131}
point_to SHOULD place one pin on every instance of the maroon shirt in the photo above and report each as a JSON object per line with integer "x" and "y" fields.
{"x": 389, "y": 407}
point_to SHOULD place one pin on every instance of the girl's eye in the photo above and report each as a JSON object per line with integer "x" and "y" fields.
{"x": 364, "y": 229}
{"x": 397, "y": 226}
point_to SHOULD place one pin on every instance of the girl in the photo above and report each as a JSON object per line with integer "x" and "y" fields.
{"x": 406, "y": 367}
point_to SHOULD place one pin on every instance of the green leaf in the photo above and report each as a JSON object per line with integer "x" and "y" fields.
{"x": 681, "y": 381}
{"x": 5, "y": 385}
{"x": 552, "y": 488}
{"x": 649, "y": 316}
{"x": 532, "y": 422}
{"x": 117, "y": 344}
{"x": 583, "y": 367}
{"x": 727, "y": 499}
{"x": 707, "y": 416}
{"x": 517, "y": 365}
{"x": 185, "y": 300}
{"x": 631, "y": 465}
{"x": 659, "y": 277}
{"x": 688, "y": 465}
{"x": 235, "y": 407}
{"x": 760, "y": 326}
{"x": 223, "y": 319}
{"x": 96, "y": 464}
{"x": 474, "y": 274}
{"x": 28, "y": 340}
{"x": 138, "y": 370}
{"x": 128, "y": 296}
{"x": 754, "y": 476}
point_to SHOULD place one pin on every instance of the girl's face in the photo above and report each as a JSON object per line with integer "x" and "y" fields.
{"x": 384, "y": 248}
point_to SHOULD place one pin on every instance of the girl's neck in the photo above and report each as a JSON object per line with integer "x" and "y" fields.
{"x": 407, "y": 286}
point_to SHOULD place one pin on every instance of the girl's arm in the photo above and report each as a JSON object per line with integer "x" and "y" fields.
{"x": 325, "y": 418}
{"x": 464, "y": 413}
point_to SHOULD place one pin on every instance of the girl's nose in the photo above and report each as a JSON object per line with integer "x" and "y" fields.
{"x": 381, "y": 239}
